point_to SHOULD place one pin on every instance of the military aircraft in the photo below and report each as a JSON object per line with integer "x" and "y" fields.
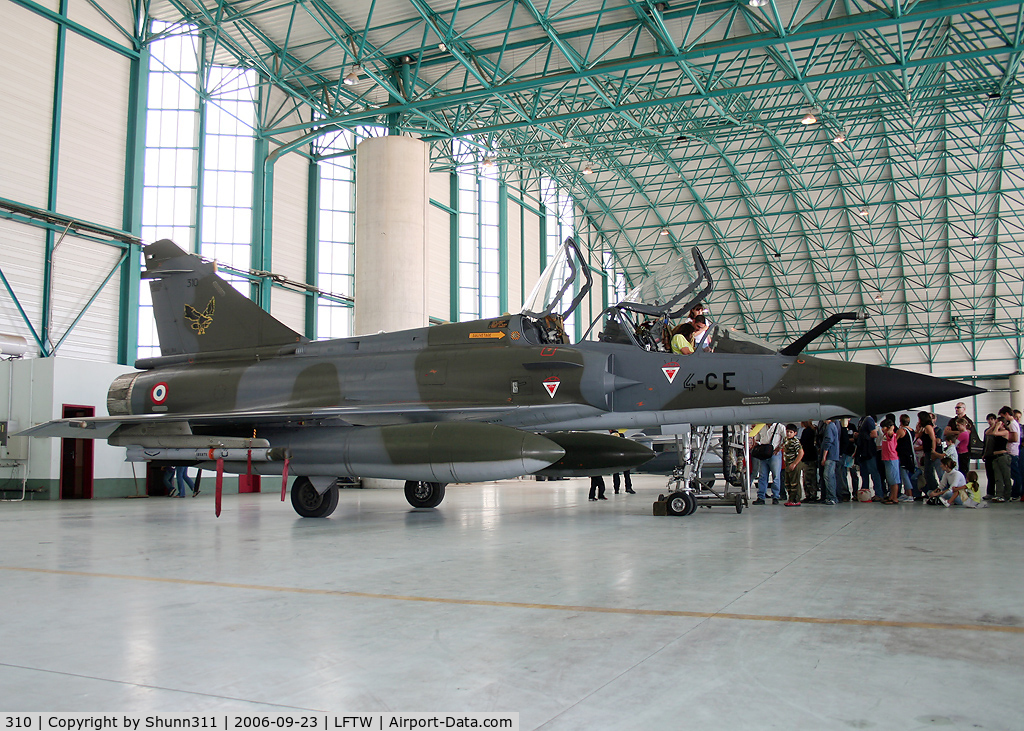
{"x": 238, "y": 391}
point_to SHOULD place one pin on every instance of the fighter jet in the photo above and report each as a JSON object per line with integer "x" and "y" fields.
{"x": 238, "y": 391}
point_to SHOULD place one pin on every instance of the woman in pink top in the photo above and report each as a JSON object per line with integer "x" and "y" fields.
{"x": 890, "y": 461}
{"x": 963, "y": 445}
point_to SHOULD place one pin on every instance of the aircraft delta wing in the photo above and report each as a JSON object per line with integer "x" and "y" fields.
{"x": 237, "y": 391}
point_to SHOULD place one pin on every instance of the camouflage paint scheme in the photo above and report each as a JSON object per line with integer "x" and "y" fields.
{"x": 456, "y": 402}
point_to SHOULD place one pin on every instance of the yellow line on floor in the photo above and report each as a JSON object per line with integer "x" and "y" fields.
{"x": 1010, "y": 629}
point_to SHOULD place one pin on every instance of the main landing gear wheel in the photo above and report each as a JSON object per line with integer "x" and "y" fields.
{"x": 739, "y": 503}
{"x": 680, "y": 503}
{"x": 311, "y": 504}
{"x": 424, "y": 494}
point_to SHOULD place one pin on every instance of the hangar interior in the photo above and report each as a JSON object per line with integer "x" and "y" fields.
{"x": 823, "y": 156}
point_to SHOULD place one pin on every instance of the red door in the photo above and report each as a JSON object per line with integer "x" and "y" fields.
{"x": 76, "y": 459}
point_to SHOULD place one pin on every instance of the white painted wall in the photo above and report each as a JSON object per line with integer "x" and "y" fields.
{"x": 33, "y": 391}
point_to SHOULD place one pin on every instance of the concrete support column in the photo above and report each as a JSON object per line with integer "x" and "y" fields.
{"x": 1017, "y": 391}
{"x": 392, "y": 201}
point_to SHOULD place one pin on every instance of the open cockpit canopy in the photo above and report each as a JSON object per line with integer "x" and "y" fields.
{"x": 644, "y": 316}
{"x": 672, "y": 290}
{"x": 562, "y": 286}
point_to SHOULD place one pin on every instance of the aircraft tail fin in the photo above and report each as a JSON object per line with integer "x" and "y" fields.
{"x": 198, "y": 312}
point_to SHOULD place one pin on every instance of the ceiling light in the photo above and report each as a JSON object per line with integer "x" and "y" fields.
{"x": 975, "y": 238}
{"x": 488, "y": 162}
{"x": 442, "y": 47}
{"x": 840, "y": 137}
{"x": 665, "y": 232}
{"x": 878, "y": 298}
{"x": 352, "y": 77}
{"x": 756, "y": 3}
{"x": 809, "y": 116}
{"x": 864, "y": 211}
{"x": 587, "y": 170}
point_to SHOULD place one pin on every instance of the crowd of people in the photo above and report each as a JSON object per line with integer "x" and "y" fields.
{"x": 890, "y": 462}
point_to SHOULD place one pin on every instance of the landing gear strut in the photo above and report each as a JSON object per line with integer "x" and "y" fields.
{"x": 311, "y": 504}
{"x": 424, "y": 494}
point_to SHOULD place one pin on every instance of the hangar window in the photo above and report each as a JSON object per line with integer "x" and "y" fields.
{"x": 227, "y": 162}
{"x": 336, "y": 229}
{"x": 198, "y": 174}
{"x": 558, "y": 212}
{"x": 479, "y": 273}
{"x": 170, "y": 184}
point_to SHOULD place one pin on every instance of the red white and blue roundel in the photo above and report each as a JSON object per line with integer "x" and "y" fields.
{"x": 159, "y": 393}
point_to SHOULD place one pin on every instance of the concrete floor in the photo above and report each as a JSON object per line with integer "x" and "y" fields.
{"x": 519, "y": 596}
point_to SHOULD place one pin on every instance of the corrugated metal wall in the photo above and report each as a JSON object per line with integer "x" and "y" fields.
{"x": 89, "y": 175}
{"x": 291, "y": 186}
{"x": 28, "y": 55}
{"x": 439, "y": 247}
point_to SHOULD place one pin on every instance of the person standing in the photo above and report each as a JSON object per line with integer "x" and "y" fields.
{"x": 930, "y": 447}
{"x": 626, "y": 479}
{"x": 952, "y": 427}
{"x": 183, "y": 480}
{"x": 846, "y": 475}
{"x": 963, "y": 445}
{"x": 830, "y": 461}
{"x": 1013, "y": 449}
{"x": 597, "y": 488}
{"x": 1018, "y": 476}
{"x": 905, "y": 454}
{"x": 1000, "y": 435}
{"x": 867, "y": 456}
{"x": 808, "y": 440}
{"x": 890, "y": 461}
{"x": 793, "y": 455}
{"x": 774, "y": 436}
{"x": 625, "y": 473}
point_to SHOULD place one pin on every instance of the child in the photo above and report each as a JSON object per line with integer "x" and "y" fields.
{"x": 890, "y": 461}
{"x": 952, "y": 485}
{"x": 950, "y": 449}
{"x": 972, "y": 495}
{"x": 792, "y": 455}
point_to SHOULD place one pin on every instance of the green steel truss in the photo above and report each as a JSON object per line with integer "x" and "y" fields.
{"x": 688, "y": 112}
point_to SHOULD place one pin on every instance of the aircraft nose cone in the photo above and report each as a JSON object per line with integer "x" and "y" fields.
{"x": 891, "y": 390}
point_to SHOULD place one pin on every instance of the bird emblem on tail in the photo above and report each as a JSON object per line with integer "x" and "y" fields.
{"x": 199, "y": 321}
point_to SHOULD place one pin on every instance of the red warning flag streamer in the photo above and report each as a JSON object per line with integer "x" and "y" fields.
{"x": 284, "y": 478}
{"x": 220, "y": 486}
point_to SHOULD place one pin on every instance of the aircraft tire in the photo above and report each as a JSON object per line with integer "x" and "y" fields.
{"x": 421, "y": 494}
{"x": 691, "y": 502}
{"x": 309, "y": 503}
{"x": 677, "y": 504}
{"x": 739, "y": 503}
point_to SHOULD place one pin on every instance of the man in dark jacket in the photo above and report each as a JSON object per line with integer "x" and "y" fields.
{"x": 808, "y": 440}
